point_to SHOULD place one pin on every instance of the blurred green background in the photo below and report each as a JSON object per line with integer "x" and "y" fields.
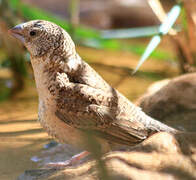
{"x": 110, "y": 35}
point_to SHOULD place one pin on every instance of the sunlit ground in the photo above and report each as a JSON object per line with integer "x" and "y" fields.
{"x": 21, "y": 136}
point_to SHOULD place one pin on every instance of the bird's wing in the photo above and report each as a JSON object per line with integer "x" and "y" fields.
{"x": 99, "y": 121}
{"x": 87, "y": 108}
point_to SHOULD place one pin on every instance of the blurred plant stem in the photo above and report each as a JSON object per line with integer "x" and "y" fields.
{"x": 14, "y": 51}
{"x": 74, "y": 15}
{"x": 95, "y": 149}
{"x": 184, "y": 41}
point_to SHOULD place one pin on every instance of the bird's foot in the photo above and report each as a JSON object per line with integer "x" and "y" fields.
{"x": 75, "y": 160}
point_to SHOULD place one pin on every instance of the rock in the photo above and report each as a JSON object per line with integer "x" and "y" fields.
{"x": 172, "y": 102}
{"x": 161, "y": 156}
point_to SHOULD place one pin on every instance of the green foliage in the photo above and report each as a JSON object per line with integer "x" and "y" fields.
{"x": 157, "y": 54}
{"x": 5, "y": 91}
{"x": 184, "y": 19}
{"x": 137, "y": 49}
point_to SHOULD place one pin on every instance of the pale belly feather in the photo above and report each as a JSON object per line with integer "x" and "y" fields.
{"x": 57, "y": 128}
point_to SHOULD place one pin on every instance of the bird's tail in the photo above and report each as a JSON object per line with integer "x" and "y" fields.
{"x": 156, "y": 125}
{"x": 150, "y": 123}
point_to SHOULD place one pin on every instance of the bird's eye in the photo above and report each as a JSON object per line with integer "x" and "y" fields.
{"x": 32, "y": 33}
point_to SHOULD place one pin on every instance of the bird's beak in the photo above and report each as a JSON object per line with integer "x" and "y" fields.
{"x": 17, "y": 32}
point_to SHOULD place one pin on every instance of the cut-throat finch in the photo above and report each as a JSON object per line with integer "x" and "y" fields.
{"x": 74, "y": 100}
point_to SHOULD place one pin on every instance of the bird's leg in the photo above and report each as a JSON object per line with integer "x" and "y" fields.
{"x": 75, "y": 160}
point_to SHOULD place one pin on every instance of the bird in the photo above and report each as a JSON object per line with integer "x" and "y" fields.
{"x": 74, "y": 98}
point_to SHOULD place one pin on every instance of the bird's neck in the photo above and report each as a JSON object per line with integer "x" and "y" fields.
{"x": 41, "y": 78}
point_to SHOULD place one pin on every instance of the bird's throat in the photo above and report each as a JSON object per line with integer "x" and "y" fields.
{"x": 42, "y": 77}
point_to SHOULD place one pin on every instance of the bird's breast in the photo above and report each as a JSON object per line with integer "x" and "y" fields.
{"x": 57, "y": 128}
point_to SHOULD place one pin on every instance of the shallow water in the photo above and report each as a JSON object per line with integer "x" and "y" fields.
{"x": 21, "y": 136}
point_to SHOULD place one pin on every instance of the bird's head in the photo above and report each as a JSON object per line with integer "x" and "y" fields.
{"x": 41, "y": 37}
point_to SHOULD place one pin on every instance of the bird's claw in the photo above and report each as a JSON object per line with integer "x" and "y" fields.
{"x": 75, "y": 160}
{"x": 59, "y": 165}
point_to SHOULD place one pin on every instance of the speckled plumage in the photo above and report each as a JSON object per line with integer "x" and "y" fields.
{"x": 73, "y": 98}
